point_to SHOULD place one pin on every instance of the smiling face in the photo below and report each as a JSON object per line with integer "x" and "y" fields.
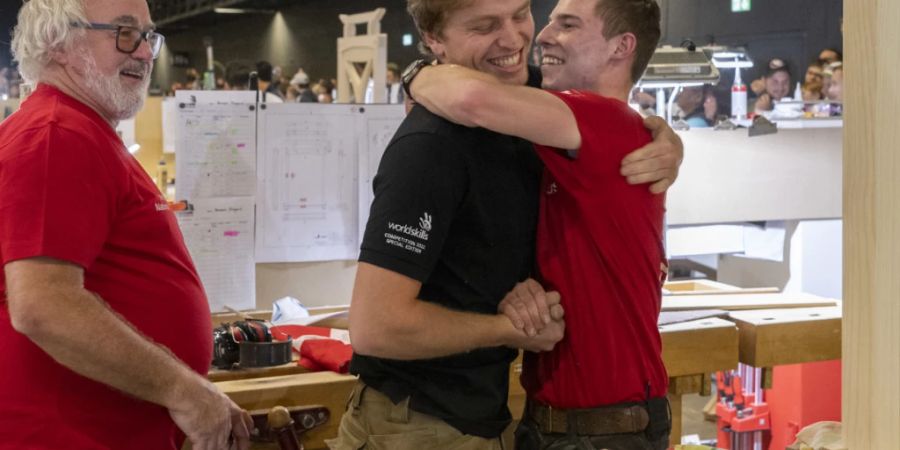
{"x": 778, "y": 84}
{"x": 116, "y": 82}
{"x": 575, "y": 51}
{"x": 492, "y": 36}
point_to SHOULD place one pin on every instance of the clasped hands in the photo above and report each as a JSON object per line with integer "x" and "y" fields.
{"x": 536, "y": 313}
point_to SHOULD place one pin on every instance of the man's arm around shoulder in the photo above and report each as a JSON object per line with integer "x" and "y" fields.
{"x": 476, "y": 99}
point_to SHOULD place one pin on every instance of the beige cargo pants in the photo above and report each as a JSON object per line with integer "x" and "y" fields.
{"x": 373, "y": 422}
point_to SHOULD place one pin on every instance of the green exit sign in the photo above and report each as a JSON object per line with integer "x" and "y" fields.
{"x": 740, "y": 5}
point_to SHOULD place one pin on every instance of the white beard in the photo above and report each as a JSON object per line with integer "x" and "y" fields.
{"x": 119, "y": 101}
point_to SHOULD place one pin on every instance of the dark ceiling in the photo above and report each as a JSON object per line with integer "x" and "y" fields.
{"x": 174, "y": 15}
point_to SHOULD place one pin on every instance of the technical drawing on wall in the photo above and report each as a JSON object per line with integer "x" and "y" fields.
{"x": 216, "y": 151}
{"x": 307, "y": 188}
{"x": 219, "y": 235}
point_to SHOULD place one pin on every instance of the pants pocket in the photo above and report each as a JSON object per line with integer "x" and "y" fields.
{"x": 409, "y": 440}
{"x": 351, "y": 434}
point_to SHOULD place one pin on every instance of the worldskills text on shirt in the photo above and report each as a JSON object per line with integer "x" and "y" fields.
{"x": 600, "y": 245}
{"x": 70, "y": 191}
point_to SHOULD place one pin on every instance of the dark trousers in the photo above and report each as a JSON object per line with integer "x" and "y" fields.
{"x": 529, "y": 437}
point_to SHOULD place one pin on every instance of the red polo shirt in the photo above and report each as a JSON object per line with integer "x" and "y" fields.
{"x": 599, "y": 244}
{"x": 69, "y": 190}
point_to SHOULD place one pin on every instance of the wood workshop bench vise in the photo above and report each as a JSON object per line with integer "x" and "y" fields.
{"x": 304, "y": 419}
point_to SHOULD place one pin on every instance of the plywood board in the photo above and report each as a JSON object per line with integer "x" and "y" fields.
{"x": 771, "y": 338}
{"x": 737, "y": 302}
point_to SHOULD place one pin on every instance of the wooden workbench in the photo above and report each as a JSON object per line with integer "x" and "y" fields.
{"x": 691, "y": 351}
{"x": 327, "y": 389}
{"x": 777, "y": 337}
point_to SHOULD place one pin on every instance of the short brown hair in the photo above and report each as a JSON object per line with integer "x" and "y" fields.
{"x": 640, "y": 17}
{"x": 430, "y": 16}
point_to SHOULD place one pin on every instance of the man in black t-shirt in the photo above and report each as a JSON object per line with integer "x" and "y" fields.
{"x": 451, "y": 231}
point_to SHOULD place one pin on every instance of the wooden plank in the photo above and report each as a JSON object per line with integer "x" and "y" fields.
{"x": 771, "y": 338}
{"x": 218, "y": 375}
{"x": 760, "y": 290}
{"x": 227, "y": 317}
{"x": 699, "y": 347}
{"x": 698, "y": 286}
{"x": 739, "y": 302}
{"x": 704, "y": 287}
{"x": 871, "y": 325}
{"x": 675, "y": 434}
{"x": 691, "y": 384}
{"x": 326, "y": 389}
{"x": 673, "y": 317}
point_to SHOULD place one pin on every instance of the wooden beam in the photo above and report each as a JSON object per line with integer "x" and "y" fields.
{"x": 871, "y": 326}
{"x": 738, "y": 302}
{"x": 777, "y": 337}
{"x": 699, "y": 347}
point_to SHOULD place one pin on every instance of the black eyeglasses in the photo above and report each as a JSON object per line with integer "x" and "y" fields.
{"x": 128, "y": 38}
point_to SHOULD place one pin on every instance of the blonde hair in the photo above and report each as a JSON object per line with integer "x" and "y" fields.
{"x": 44, "y": 26}
{"x": 430, "y": 16}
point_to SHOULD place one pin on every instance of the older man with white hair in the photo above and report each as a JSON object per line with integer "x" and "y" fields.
{"x": 104, "y": 325}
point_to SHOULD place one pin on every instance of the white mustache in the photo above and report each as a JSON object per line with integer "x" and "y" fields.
{"x": 142, "y": 69}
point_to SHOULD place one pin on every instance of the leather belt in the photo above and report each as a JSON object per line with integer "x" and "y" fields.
{"x": 594, "y": 421}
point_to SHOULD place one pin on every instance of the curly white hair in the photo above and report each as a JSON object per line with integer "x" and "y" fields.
{"x": 44, "y": 26}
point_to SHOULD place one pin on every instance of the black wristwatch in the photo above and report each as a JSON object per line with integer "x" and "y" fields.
{"x": 410, "y": 73}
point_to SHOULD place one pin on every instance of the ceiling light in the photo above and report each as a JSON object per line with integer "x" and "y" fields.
{"x": 242, "y": 11}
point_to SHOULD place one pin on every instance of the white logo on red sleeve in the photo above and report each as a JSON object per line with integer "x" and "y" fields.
{"x": 161, "y": 204}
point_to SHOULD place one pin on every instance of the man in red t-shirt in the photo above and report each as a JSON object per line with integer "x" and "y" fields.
{"x": 599, "y": 239}
{"x": 104, "y": 325}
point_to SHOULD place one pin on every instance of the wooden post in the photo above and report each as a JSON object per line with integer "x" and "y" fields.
{"x": 368, "y": 51}
{"x": 871, "y": 322}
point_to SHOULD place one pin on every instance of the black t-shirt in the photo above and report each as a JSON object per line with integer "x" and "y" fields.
{"x": 454, "y": 208}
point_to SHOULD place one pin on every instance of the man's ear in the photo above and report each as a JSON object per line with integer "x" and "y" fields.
{"x": 626, "y": 46}
{"x": 435, "y": 45}
{"x": 60, "y": 56}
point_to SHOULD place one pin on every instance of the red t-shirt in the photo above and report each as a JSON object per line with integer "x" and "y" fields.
{"x": 69, "y": 190}
{"x": 599, "y": 243}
